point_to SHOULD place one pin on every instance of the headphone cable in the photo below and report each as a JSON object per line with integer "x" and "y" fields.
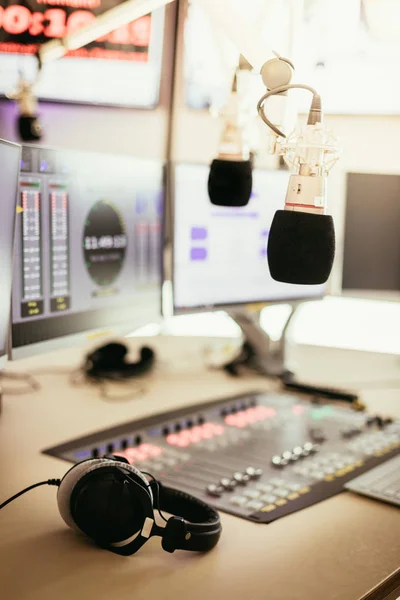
{"x": 55, "y": 482}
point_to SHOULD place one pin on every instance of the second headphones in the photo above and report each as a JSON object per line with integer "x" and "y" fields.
{"x": 109, "y": 362}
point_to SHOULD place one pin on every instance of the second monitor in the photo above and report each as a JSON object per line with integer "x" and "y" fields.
{"x": 88, "y": 245}
{"x": 220, "y": 254}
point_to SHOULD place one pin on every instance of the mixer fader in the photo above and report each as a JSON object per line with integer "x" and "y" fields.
{"x": 259, "y": 456}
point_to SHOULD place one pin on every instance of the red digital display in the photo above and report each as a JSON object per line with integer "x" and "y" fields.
{"x": 185, "y": 438}
{"x": 26, "y": 25}
{"x": 251, "y": 415}
{"x": 140, "y": 453}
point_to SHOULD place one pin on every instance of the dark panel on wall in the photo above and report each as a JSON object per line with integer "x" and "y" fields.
{"x": 371, "y": 259}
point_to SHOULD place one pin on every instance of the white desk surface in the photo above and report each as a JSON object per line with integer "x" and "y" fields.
{"x": 336, "y": 550}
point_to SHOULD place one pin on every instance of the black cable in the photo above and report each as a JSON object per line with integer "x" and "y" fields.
{"x": 55, "y": 482}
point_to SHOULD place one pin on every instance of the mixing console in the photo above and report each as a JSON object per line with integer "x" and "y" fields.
{"x": 259, "y": 456}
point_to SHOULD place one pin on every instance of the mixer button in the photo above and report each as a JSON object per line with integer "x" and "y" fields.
{"x": 284, "y": 462}
{"x": 214, "y": 490}
{"x": 169, "y": 461}
{"x": 238, "y": 500}
{"x": 300, "y": 470}
{"x": 277, "y": 482}
{"x": 339, "y": 464}
{"x": 269, "y": 498}
{"x": 228, "y": 484}
{"x": 255, "y": 505}
{"x": 308, "y": 446}
{"x": 287, "y": 455}
{"x": 252, "y": 493}
{"x": 155, "y": 466}
{"x": 329, "y": 470}
{"x": 281, "y": 493}
{"x": 264, "y": 487}
{"x": 294, "y": 487}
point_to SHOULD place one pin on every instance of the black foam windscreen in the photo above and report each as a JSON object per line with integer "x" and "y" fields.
{"x": 230, "y": 182}
{"x": 301, "y": 247}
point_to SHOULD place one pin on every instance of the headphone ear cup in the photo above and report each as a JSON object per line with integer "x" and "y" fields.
{"x": 82, "y": 500}
{"x": 104, "y": 507}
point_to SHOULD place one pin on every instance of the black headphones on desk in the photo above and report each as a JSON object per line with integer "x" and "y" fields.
{"x": 109, "y": 362}
{"x": 114, "y": 503}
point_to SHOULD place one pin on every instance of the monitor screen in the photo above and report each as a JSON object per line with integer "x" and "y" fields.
{"x": 371, "y": 253}
{"x": 88, "y": 243}
{"x": 220, "y": 254}
{"x": 9, "y": 170}
{"x": 121, "y": 68}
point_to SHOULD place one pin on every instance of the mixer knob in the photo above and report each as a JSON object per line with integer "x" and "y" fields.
{"x": 214, "y": 490}
{"x": 287, "y": 455}
{"x": 253, "y": 473}
{"x": 317, "y": 434}
{"x": 241, "y": 478}
{"x": 298, "y": 451}
{"x": 277, "y": 461}
{"x": 308, "y": 446}
{"x": 228, "y": 484}
{"x": 350, "y": 432}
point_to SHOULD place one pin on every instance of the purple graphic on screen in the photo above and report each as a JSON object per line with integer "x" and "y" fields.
{"x": 159, "y": 201}
{"x": 198, "y": 233}
{"x": 264, "y": 252}
{"x": 265, "y": 233}
{"x": 198, "y": 254}
{"x": 251, "y": 215}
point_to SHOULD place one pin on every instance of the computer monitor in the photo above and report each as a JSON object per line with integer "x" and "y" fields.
{"x": 9, "y": 170}
{"x": 88, "y": 246}
{"x": 371, "y": 252}
{"x": 219, "y": 253}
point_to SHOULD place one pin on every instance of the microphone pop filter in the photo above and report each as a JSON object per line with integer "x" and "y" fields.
{"x": 230, "y": 182}
{"x": 301, "y": 247}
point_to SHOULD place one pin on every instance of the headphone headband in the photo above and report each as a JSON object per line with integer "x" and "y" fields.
{"x": 200, "y": 526}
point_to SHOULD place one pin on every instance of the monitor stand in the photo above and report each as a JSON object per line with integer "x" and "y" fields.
{"x": 260, "y": 352}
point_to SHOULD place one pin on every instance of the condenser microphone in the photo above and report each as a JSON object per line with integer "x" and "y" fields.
{"x": 28, "y": 122}
{"x": 301, "y": 242}
{"x": 231, "y": 174}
